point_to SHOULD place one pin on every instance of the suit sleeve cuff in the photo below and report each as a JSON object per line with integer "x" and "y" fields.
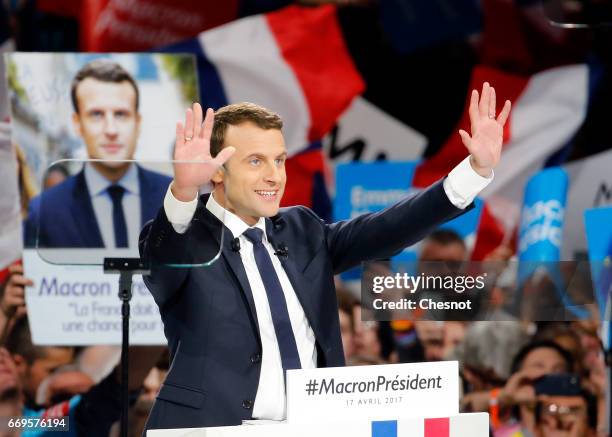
{"x": 179, "y": 213}
{"x": 463, "y": 184}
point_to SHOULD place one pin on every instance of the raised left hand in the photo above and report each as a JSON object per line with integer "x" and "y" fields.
{"x": 485, "y": 143}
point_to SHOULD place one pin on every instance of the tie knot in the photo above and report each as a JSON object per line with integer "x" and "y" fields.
{"x": 115, "y": 192}
{"x": 254, "y": 235}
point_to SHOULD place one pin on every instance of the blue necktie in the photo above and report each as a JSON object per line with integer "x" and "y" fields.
{"x": 116, "y": 194}
{"x": 276, "y": 299}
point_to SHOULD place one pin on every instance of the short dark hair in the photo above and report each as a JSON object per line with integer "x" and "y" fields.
{"x": 236, "y": 114}
{"x": 104, "y": 71}
{"x": 517, "y": 363}
{"x": 19, "y": 342}
{"x": 445, "y": 237}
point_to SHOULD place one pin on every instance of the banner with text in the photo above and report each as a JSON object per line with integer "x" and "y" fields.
{"x": 384, "y": 392}
{"x": 79, "y": 305}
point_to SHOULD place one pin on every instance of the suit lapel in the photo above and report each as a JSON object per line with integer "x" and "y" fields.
{"x": 83, "y": 213}
{"x": 231, "y": 257}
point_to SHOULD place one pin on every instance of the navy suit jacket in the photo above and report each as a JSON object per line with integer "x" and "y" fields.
{"x": 209, "y": 313}
{"x": 63, "y": 216}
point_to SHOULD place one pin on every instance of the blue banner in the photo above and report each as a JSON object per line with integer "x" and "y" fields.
{"x": 598, "y": 224}
{"x": 542, "y": 216}
{"x": 371, "y": 187}
{"x": 541, "y": 231}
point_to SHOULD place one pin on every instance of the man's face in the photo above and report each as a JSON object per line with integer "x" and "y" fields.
{"x": 107, "y": 119}
{"x": 431, "y": 335}
{"x": 545, "y": 359}
{"x": 33, "y": 374}
{"x": 563, "y": 416}
{"x": 255, "y": 178}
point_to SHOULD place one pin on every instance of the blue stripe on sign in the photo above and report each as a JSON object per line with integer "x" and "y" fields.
{"x": 384, "y": 428}
{"x": 212, "y": 93}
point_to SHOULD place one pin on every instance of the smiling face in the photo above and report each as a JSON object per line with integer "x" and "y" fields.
{"x": 107, "y": 120}
{"x": 254, "y": 179}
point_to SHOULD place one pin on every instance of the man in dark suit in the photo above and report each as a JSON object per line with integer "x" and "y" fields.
{"x": 268, "y": 304}
{"x": 106, "y": 203}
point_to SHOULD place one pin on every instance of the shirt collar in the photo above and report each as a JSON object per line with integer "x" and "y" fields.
{"x": 97, "y": 184}
{"x": 234, "y": 223}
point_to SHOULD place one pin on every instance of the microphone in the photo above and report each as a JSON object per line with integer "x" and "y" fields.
{"x": 235, "y": 245}
{"x": 282, "y": 251}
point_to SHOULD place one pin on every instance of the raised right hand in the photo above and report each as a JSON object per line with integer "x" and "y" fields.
{"x": 193, "y": 144}
{"x": 13, "y": 300}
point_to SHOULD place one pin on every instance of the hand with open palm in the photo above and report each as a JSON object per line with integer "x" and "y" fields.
{"x": 487, "y": 130}
{"x": 194, "y": 166}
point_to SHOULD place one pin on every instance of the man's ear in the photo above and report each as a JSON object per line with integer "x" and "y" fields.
{"x": 217, "y": 177}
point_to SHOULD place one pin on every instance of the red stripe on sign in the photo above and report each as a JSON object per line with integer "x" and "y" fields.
{"x": 311, "y": 42}
{"x": 439, "y": 427}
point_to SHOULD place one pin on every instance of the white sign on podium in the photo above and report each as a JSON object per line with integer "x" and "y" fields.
{"x": 391, "y": 391}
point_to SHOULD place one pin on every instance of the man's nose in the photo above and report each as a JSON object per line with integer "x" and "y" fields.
{"x": 273, "y": 174}
{"x": 110, "y": 125}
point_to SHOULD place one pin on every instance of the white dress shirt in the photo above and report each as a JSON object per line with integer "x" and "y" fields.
{"x": 461, "y": 186}
{"x": 103, "y": 204}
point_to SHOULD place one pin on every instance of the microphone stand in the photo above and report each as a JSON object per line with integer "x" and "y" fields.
{"x": 126, "y": 267}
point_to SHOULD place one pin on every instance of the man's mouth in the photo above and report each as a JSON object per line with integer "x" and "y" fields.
{"x": 112, "y": 148}
{"x": 267, "y": 194}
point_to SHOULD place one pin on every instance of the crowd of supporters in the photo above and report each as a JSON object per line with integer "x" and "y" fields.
{"x": 535, "y": 379}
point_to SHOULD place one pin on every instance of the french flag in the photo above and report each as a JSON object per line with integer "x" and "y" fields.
{"x": 462, "y": 425}
{"x": 292, "y": 61}
{"x": 548, "y": 109}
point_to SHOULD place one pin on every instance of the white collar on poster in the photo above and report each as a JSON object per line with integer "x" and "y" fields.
{"x": 97, "y": 184}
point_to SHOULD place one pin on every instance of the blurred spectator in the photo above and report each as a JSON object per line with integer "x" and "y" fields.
{"x": 367, "y": 342}
{"x": 10, "y": 393}
{"x": 346, "y": 303}
{"x": 566, "y": 415}
{"x": 431, "y": 337}
{"x": 566, "y": 337}
{"x": 443, "y": 245}
{"x": 454, "y": 334}
{"x": 90, "y": 413}
{"x": 34, "y": 363}
{"x": 512, "y": 407}
{"x": 360, "y": 360}
{"x": 12, "y": 299}
{"x": 486, "y": 353}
